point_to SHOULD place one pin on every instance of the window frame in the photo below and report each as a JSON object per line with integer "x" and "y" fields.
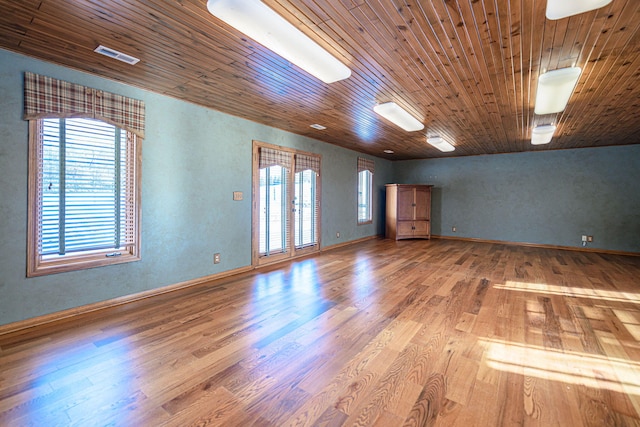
{"x": 369, "y": 219}
{"x": 298, "y": 220}
{"x": 39, "y": 266}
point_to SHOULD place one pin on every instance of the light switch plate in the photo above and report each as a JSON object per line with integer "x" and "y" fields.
{"x": 237, "y": 195}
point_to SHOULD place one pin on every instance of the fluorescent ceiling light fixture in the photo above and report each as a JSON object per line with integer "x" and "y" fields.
{"x": 542, "y": 134}
{"x": 395, "y": 114}
{"x": 262, "y": 24}
{"x": 112, "y": 53}
{"x": 317, "y": 126}
{"x": 558, "y": 9}
{"x": 555, "y": 88}
{"x": 388, "y": 151}
{"x": 441, "y": 144}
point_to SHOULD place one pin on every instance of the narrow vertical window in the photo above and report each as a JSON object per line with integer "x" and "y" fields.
{"x": 365, "y": 190}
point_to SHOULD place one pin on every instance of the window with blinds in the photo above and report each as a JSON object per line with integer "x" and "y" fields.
{"x": 86, "y": 201}
{"x": 365, "y": 190}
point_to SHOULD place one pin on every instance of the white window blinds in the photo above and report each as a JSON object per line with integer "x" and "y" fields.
{"x": 87, "y": 187}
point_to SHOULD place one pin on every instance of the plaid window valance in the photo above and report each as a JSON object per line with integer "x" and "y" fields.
{"x": 365, "y": 165}
{"x": 305, "y": 162}
{"x": 270, "y": 157}
{"x": 46, "y": 97}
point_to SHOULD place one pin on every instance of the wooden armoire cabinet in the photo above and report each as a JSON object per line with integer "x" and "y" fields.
{"x": 408, "y": 214}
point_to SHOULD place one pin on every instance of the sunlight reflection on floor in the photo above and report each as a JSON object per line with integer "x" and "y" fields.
{"x": 304, "y": 278}
{"x": 631, "y": 321}
{"x": 570, "y": 291}
{"x": 570, "y": 367}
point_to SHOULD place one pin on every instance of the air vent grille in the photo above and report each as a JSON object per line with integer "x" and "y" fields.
{"x": 112, "y": 53}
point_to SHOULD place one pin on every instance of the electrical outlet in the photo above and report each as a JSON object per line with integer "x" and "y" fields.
{"x": 338, "y": 235}
{"x": 216, "y": 258}
{"x": 237, "y": 195}
{"x": 453, "y": 228}
{"x": 589, "y": 238}
{"x": 584, "y": 237}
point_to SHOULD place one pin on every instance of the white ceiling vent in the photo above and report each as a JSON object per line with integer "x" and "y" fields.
{"x": 111, "y": 53}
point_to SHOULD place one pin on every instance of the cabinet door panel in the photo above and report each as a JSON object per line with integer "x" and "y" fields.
{"x": 423, "y": 203}
{"x": 406, "y": 206}
{"x": 405, "y": 228}
{"x": 421, "y": 228}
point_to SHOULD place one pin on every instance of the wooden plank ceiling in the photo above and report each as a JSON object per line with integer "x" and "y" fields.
{"x": 466, "y": 68}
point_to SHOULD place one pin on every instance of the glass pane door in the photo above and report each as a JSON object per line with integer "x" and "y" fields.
{"x": 286, "y": 204}
{"x": 304, "y": 203}
{"x": 273, "y": 210}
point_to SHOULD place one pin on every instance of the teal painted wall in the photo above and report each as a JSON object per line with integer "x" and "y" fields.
{"x": 546, "y": 197}
{"x": 193, "y": 159}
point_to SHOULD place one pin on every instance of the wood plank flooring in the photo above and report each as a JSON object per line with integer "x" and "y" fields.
{"x": 381, "y": 333}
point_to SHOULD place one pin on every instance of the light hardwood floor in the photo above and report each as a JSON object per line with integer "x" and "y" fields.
{"x": 443, "y": 333}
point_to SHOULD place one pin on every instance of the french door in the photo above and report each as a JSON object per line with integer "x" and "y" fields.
{"x": 286, "y": 205}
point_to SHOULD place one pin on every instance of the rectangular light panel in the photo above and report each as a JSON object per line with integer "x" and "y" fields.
{"x": 441, "y": 144}
{"x": 558, "y": 9}
{"x": 542, "y": 134}
{"x": 262, "y": 24}
{"x": 555, "y": 88}
{"x": 395, "y": 114}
